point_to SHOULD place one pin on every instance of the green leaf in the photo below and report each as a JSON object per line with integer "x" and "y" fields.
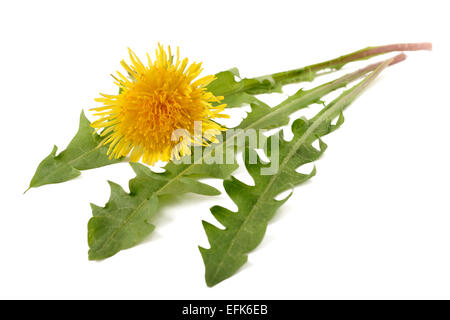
{"x": 83, "y": 152}
{"x": 126, "y": 228}
{"x": 245, "y": 229}
{"x": 182, "y": 178}
{"x": 126, "y": 219}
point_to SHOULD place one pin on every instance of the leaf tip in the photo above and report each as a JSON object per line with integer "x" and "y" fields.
{"x": 92, "y": 256}
{"x": 210, "y": 283}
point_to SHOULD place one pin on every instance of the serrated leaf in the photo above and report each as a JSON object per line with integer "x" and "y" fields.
{"x": 111, "y": 233}
{"x": 83, "y": 152}
{"x": 126, "y": 219}
{"x": 182, "y": 178}
{"x": 245, "y": 229}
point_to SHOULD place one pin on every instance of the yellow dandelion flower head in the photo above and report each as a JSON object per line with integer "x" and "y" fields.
{"x": 153, "y": 104}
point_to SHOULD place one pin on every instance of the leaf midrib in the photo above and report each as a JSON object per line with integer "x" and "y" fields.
{"x": 123, "y": 223}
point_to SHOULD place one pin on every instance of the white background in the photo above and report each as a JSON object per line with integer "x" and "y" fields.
{"x": 373, "y": 223}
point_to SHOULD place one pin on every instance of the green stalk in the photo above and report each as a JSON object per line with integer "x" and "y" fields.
{"x": 302, "y": 74}
{"x": 273, "y": 82}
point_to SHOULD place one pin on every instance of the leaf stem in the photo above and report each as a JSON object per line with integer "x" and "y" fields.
{"x": 308, "y": 73}
{"x": 291, "y": 105}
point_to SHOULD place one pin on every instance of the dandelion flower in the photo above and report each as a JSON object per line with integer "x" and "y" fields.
{"x": 155, "y": 101}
